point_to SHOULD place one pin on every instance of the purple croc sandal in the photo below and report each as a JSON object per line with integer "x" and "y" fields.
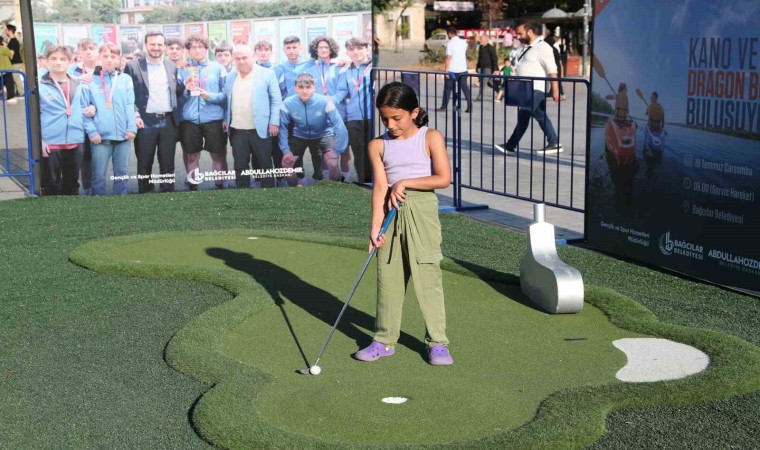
{"x": 374, "y": 351}
{"x": 439, "y": 356}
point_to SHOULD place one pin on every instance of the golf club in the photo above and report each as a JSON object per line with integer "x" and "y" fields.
{"x": 315, "y": 369}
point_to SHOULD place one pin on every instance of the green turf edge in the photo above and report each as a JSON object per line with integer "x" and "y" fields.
{"x": 570, "y": 418}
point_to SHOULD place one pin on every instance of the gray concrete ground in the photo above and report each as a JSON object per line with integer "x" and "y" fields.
{"x": 558, "y": 178}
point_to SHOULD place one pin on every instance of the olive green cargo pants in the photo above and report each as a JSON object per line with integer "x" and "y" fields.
{"x": 412, "y": 249}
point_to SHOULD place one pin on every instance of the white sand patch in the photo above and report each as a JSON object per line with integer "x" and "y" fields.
{"x": 395, "y": 400}
{"x": 652, "y": 359}
{"x": 252, "y": 237}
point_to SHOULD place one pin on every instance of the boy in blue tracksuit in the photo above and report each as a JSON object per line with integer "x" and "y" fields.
{"x": 286, "y": 73}
{"x": 113, "y": 128}
{"x": 83, "y": 71}
{"x": 323, "y": 49}
{"x": 263, "y": 52}
{"x": 317, "y": 125}
{"x": 354, "y": 85}
{"x": 202, "y": 111}
{"x": 61, "y": 104}
{"x": 288, "y": 70}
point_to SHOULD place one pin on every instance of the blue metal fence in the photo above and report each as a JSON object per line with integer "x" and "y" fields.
{"x": 16, "y": 160}
{"x": 476, "y": 135}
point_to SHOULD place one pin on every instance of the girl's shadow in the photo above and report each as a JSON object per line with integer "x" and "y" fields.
{"x": 283, "y": 285}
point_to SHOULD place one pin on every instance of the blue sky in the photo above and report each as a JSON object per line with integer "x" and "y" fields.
{"x": 645, "y": 43}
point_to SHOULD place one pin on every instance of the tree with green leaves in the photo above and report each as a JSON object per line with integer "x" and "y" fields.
{"x": 40, "y": 11}
{"x": 491, "y": 10}
{"x": 105, "y": 11}
{"x": 73, "y": 11}
{"x": 245, "y": 9}
{"x": 65, "y": 11}
{"x": 399, "y": 30}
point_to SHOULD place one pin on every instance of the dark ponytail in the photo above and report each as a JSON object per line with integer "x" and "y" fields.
{"x": 422, "y": 118}
{"x": 402, "y": 96}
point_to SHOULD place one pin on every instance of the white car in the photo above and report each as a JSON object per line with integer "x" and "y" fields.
{"x": 436, "y": 41}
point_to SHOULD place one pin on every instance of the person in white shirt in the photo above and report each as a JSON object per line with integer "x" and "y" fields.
{"x": 157, "y": 115}
{"x": 536, "y": 59}
{"x": 252, "y": 117}
{"x": 456, "y": 66}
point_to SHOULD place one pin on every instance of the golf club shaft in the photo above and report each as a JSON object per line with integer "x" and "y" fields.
{"x": 386, "y": 223}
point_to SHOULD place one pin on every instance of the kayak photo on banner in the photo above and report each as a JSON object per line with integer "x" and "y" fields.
{"x": 674, "y": 161}
{"x": 222, "y": 118}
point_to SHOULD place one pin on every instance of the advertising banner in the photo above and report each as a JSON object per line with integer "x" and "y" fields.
{"x": 104, "y": 34}
{"x": 217, "y": 37}
{"x": 195, "y": 28}
{"x": 241, "y": 31}
{"x": 291, "y": 27}
{"x": 45, "y": 36}
{"x": 674, "y": 169}
{"x": 344, "y": 28}
{"x": 316, "y": 26}
{"x": 265, "y": 30}
{"x": 154, "y": 28}
{"x": 131, "y": 39}
{"x": 217, "y": 33}
{"x": 72, "y": 34}
{"x": 367, "y": 27}
{"x": 173, "y": 31}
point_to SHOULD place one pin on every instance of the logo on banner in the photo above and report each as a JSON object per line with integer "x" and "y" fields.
{"x": 195, "y": 176}
{"x": 669, "y": 246}
{"x": 736, "y": 262}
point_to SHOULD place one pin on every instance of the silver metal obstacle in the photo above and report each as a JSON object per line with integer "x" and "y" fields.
{"x": 550, "y": 283}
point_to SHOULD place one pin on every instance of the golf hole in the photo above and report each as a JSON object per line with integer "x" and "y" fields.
{"x": 395, "y": 400}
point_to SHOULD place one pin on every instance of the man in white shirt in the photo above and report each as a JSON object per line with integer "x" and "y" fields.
{"x": 536, "y": 59}
{"x": 157, "y": 117}
{"x": 252, "y": 117}
{"x": 456, "y": 68}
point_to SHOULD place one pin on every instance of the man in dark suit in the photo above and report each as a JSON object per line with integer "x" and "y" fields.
{"x": 156, "y": 90}
{"x": 488, "y": 63}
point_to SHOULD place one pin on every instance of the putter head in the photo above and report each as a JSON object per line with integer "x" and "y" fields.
{"x": 304, "y": 371}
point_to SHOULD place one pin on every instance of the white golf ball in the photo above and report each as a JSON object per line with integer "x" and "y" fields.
{"x": 315, "y": 370}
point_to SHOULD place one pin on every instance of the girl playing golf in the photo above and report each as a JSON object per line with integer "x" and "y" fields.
{"x": 408, "y": 162}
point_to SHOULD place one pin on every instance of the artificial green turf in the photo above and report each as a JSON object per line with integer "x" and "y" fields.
{"x": 503, "y": 376}
{"x": 81, "y": 356}
{"x": 569, "y": 418}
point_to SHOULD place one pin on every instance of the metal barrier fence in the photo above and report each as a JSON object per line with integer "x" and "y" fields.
{"x": 16, "y": 160}
{"x": 477, "y": 135}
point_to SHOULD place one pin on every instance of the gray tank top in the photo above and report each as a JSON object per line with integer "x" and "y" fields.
{"x": 406, "y": 158}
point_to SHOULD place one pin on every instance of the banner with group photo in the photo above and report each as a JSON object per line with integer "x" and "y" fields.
{"x": 674, "y": 163}
{"x": 213, "y": 167}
